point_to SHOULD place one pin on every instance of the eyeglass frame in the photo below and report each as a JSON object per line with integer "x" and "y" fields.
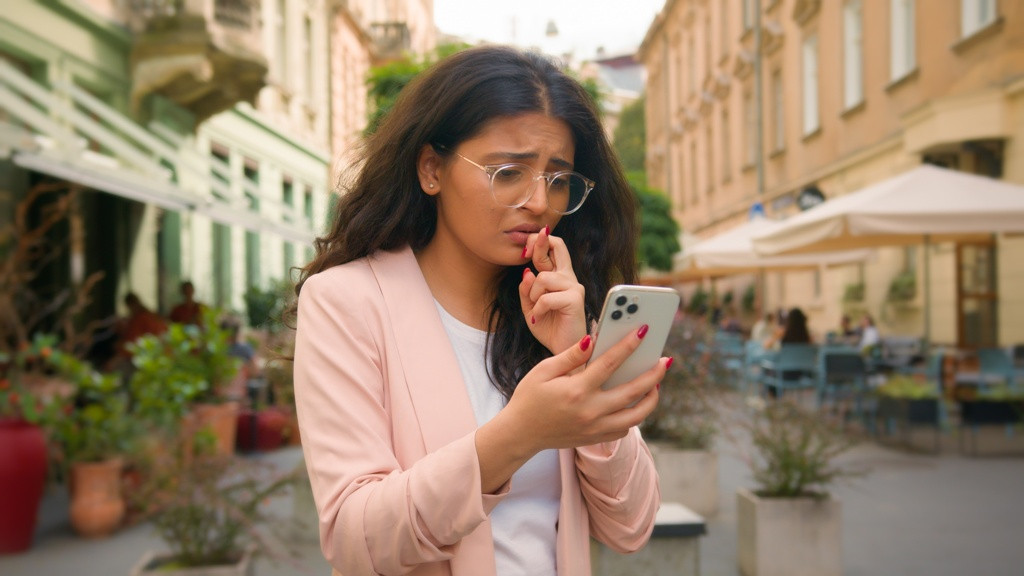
{"x": 492, "y": 169}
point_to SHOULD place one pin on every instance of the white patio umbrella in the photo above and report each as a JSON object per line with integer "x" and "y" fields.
{"x": 926, "y": 203}
{"x": 732, "y": 252}
{"x": 923, "y": 205}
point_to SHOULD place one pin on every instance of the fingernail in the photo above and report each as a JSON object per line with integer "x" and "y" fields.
{"x": 533, "y": 319}
{"x": 585, "y": 343}
{"x": 642, "y": 332}
{"x": 526, "y": 271}
{"x": 658, "y": 386}
{"x": 668, "y": 364}
{"x": 547, "y": 230}
{"x": 524, "y": 252}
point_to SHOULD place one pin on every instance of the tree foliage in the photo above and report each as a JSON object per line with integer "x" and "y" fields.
{"x": 386, "y": 81}
{"x": 659, "y": 232}
{"x": 631, "y": 136}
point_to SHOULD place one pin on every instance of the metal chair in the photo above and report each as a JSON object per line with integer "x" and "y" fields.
{"x": 842, "y": 376}
{"x": 997, "y": 362}
{"x": 791, "y": 367}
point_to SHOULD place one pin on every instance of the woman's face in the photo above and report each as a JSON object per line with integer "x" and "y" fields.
{"x": 471, "y": 225}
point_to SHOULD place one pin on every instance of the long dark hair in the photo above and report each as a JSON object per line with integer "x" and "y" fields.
{"x": 384, "y": 207}
{"x": 796, "y": 327}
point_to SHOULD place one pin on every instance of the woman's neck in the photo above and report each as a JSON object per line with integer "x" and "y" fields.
{"x": 465, "y": 289}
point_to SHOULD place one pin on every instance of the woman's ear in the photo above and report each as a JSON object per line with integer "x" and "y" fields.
{"x": 428, "y": 169}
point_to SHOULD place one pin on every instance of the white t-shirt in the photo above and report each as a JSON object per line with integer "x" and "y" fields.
{"x": 524, "y": 522}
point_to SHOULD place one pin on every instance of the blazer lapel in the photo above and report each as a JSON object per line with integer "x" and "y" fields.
{"x": 432, "y": 373}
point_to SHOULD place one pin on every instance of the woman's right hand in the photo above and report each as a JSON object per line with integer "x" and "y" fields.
{"x": 555, "y": 407}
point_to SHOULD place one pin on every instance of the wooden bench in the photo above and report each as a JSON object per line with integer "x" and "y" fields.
{"x": 674, "y": 548}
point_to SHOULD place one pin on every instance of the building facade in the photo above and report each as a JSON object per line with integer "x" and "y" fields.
{"x": 851, "y": 92}
{"x": 199, "y": 134}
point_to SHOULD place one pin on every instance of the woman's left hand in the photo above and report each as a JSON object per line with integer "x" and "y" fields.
{"x": 552, "y": 300}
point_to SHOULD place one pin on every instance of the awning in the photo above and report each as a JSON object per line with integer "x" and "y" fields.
{"x": 118, "y": 182}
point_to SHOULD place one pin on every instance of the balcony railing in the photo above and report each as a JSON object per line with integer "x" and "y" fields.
{"x": 205, "y": 55}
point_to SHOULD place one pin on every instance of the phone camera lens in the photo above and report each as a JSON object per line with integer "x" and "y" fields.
{"x": 616, "y": 314}
{"x": 632, "y": 308}
{"x": 620, "y": 301}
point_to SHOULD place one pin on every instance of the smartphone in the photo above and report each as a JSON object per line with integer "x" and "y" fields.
{"x": 626, "y": 308}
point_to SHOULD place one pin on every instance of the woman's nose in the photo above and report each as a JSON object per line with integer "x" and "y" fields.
{"x": 538, "y": 201}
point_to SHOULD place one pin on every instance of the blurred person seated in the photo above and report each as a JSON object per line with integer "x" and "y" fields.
{"x": 188, "y": 311}
{"x": 870, "y": 339}
{"x": 763, "y": 328}
{"x": 139, "y": 322}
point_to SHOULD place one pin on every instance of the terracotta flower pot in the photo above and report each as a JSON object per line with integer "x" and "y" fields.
{"x": 97, "y": 505}
{"x": 22, "y": 480}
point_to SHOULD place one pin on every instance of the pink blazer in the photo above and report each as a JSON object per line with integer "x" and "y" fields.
{"x": 388, "y": 437}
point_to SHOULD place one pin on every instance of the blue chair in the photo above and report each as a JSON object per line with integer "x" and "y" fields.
{"x": 791, "y": 367}
{"x": 996, "y": 362}
{"x": 842, "y": 376}
{"x": 753, "y": 353}
{"x": 729, "y": 349}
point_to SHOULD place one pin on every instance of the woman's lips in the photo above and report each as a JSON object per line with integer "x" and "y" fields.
{"x": 520, "y": 234}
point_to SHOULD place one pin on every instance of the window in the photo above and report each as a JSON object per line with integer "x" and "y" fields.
{"x": 778, "y": 112}
{"x": 280, "y": 46}
{"x": 723, "y": 23}
{"x": 853, "y": 55}
{"x": 975, "y": 15}
{"x": 709, "y": 181}
{"x": 810, "y": 84}
{"x": 726, "y": 146}
{"x": 252, "y": 239}
{"x": 748, "y": 14}
{"x": 691, "y": 58}
{"x": 693, "y": 171}
{"x": 750, "y": 125}
{"x": 902, "y": 54}
{"x": 308, "y": 54}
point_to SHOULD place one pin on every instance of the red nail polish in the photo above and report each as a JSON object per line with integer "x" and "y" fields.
{"x": 526, "y": 272}
{"x": 533, "y": 320}
{"x": 524, "y": 252}
{"x": 668, "y": 364}
{"x": 658, "y": 386}
{"x": 547, "y": 230}
{"x": 642, "y": 331}
{"x": 585, "y": 343}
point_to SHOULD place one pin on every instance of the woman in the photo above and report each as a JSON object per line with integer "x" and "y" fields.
{"x": 450, "y": 421}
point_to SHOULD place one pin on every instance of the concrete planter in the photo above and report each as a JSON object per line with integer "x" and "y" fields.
{"x": 689, "y": 477}
{"x": 788, "y": 536}
{"x": 152, "y": 564}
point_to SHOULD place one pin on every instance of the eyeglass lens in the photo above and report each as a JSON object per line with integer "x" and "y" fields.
{"x": 513, "y": 186}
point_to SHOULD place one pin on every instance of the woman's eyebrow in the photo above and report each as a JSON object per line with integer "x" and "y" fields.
{"x": 523, "y": 157}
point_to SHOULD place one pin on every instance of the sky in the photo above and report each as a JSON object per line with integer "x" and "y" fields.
{"x": 583, "y": 25}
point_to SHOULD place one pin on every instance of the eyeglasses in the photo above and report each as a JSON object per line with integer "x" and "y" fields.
{"x": 512, "y": 186}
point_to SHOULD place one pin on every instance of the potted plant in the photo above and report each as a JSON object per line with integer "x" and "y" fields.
{"x": 186, "y": 378}
{"x": 92, "y": 438}
{"x": 29, "y": 394}
{"x": 788, "y": 524}
{"x": 208, "y": 508}
{"x": 903, "y": 402}
{"x": 682, "y": 428}
{"x": 30, "y": 401}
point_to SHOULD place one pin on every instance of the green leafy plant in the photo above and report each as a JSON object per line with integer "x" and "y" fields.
{"x": 208, "y": 507}
{"x": 184, "y": 365}
{"x": 264, "y": 306}
{"x": 95, "y": 425}
{"x": 698, "y": 301}
{"x": 900, "y": 386}
{"x": 796, "y": 451}
{"x": 748, "y": 299}
{"x": 854, "y": 292}
{"x": 659, "y": 232}
{"x": 29, "y": 388}
{"x": 903, "y": 287}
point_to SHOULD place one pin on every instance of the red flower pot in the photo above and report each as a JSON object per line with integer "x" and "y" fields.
{"x": 22, "y": 480}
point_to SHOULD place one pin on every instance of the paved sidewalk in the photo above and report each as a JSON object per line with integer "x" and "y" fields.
{"x": 915, "y": 514}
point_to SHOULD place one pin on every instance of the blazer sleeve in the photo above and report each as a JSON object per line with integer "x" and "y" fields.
{"x": 375, "y": 516}
{"x": 620, "y": 490}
